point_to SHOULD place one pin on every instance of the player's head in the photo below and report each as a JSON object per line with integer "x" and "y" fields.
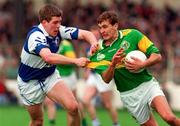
{"x": 50, "y": 16}
{"x": 108, "y": 24}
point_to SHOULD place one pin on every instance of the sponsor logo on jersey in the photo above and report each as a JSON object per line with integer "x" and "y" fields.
{"x": 100, "y": 56}
{"x": 112, "y": 50}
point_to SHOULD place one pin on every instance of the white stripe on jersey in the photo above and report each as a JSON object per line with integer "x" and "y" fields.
{"x": 66, "y": 32}
{"x": 36, "y": 38}
{"x": 33, "y": 61}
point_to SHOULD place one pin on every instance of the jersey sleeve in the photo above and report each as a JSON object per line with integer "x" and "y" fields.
{"x": 145, "y": 44}
{"x": 36, "y": 42}
{"x": 68, "y": 32}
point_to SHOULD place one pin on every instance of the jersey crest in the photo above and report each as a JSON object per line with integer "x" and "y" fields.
{"x": 125, "y": 45}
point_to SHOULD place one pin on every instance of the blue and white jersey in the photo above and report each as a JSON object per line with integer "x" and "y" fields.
{"x": 32, "y": 66}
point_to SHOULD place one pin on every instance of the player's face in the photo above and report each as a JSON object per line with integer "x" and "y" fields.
{"x": 52, "y": 27}
{"x": 107, "y": 30}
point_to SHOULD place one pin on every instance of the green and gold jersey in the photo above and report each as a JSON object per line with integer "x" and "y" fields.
{"x": 66, "y": 49}
{"x": 129, "y": 40}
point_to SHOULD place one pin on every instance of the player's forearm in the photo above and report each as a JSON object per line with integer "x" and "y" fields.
{"x": 152, "y": 60}
{"x": 59, "y": 59}
{"x": 108, "y": 74}
{"x": 53, "y": 58}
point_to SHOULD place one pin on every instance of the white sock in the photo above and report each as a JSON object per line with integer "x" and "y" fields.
{"x": 96, "y": 122}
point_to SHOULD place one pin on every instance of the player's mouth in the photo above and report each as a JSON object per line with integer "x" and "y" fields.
{"x": 104, "y": 35}
{"x": 56, "y": 31}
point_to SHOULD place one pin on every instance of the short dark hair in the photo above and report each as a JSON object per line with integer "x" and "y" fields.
{"x": 48, "y": 11}
{"x": 108, "y": 15}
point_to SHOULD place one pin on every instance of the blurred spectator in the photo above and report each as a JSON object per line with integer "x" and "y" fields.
{"x": 2, "y": 60}
{"x": 3, "y": 91}
{"x": 6, "y": 96}
{"x": 11, "y": 63}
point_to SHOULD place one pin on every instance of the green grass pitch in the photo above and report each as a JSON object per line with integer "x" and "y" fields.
{"x": 17, "y": 116}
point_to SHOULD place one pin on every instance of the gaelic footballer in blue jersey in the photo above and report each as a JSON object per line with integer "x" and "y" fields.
{"x": 37, "y": 76}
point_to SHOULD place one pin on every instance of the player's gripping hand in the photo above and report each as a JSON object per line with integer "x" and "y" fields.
{"x": 94, "y": 48}
{"x": 118, "y": 57}
{"x": 82, "y": 62}
{"x": 135, "y": 65}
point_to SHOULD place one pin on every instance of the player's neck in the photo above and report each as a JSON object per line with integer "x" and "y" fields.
{"x": 111, "y": 40}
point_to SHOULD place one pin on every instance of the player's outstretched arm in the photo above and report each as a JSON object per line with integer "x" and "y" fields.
{"x": 53, "y": 58}
{"x": 89, "y": 37}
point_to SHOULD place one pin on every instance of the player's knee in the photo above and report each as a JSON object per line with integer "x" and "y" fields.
{"x": 86, "y": 101}
{"x": 169, "y": 119}
{"x": 50, "y": 103}
{"x": 73, "y": 107}
{"x": 37, "y": 122}
{"x": 107, "y": 106}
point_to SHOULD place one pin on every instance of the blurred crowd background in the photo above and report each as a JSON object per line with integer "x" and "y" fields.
{"x": 160, "y": 23}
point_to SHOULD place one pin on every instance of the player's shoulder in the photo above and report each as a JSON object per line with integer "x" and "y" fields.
{"x": 37, "y": 35}
{"x": 67, "y": 29}
{"x": 132, "y": 31}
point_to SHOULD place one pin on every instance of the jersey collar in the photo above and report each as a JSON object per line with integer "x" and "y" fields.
{"x": 120, "y": 34}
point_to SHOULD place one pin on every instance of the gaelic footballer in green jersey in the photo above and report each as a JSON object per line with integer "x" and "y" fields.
{"x": 139, "y": 91}
{"x": 129, "y": 40}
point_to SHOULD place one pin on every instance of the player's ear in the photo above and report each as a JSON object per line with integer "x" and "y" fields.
{"x": 44, "y": 22}
{"x": 116, "y": 25}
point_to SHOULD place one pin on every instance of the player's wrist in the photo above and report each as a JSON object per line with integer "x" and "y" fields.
{"x": 113, "y": 65}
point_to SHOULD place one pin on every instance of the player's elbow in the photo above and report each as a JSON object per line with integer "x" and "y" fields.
{"x": 48, "y": 59}
{"x": 106, "y": 80}
{"x": 47, "y": 56}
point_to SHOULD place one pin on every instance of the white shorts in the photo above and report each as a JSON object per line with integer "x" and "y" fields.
{"x": 138, "y": 100}
{"x": 95, "y": 80}
{"x": 70, "y": 81}
{"x": 34, "y": 91}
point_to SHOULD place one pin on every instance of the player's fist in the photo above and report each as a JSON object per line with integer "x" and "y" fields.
{"x": 93, "y": 49}
{"x": 82, "y": 62}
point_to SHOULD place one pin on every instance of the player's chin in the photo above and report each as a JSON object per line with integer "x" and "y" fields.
{"x": 54, "y": 34}
{"x": 105, "y": 38}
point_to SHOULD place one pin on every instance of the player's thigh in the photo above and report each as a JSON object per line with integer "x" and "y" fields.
{"x": 89, "y": 93}
{"x": 106, "y": 97}
{"x": 150, "y": 122}
{"x": 61, "y": 94}
{"x": 35, "y": 111}
{"x": 161, "y": 106}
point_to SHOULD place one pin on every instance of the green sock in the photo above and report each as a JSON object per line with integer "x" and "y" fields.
{"x": 52, "y": 122}
{"x": 84, "y": 122}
